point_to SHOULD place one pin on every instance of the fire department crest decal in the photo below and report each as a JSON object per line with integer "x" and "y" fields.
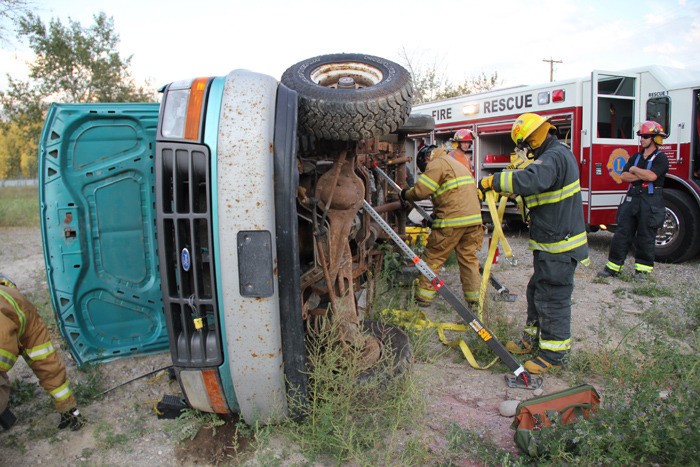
{"x": 616, "y": 162}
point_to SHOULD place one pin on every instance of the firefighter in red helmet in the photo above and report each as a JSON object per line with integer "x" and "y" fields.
{"x": 22, "y": 332}
{"x": 642, "y": 210}
{"x": 462, "y": 143}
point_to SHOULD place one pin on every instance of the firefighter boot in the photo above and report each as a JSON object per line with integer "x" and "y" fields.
{"x": 72, "y": 419}
{"x": 539, "y": 366}
{"x": 7, "y": 419}
{"x": 519, "y": 347}
{"x": 606, "y": 272}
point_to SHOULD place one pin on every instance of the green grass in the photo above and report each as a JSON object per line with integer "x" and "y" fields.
{"x": 19, "y": 207}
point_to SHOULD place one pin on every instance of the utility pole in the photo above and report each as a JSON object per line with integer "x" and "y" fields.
{"x": 551, "y": 67}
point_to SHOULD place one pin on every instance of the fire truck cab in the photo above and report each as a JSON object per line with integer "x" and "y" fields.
{"x": 597, "y": 117}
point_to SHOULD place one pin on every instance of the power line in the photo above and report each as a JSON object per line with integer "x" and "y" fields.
{"x": 551, "y": 67}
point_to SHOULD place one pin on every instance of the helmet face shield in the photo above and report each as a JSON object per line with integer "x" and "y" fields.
{"x": 423, "y": 157}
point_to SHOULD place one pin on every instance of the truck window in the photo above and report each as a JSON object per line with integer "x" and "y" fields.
{"x": 659, "y": 110}
{"x": 616, "y": 96}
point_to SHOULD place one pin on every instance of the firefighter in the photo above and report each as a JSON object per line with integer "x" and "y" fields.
{"x": 22, "y": 332}
{"x": 462, "y": 143}
{"x": 457, "y": 222}
{"x": 642, "y": 210}
{"x": 550, "y": 189}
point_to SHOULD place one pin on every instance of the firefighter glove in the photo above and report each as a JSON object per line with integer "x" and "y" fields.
{"x": 402, "y": 197}
{"x": 485, "y": 184}
{"x": 71, "y": 418}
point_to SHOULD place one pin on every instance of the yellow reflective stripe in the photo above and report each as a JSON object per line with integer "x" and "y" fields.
{"x": 569, "y": 244}
{"x": 556, "y": 346}
{"x": 7, "y": 360}
{"x": 428, "y": 294}
{"x": 550, "y": 197}
{"x": 471, "y": 296}
{"x": 428, "y": 182}
{"x": 530, "y": 330}
{"x": 62, "y": 392}
{"x": 586, "y": 262}
{"x": 454, "y": 183}
{"x": 643, "y": 267}
{"x": 463, "y": 221}
{"x": 40, "y": 352}
{"x": 505, "y": 182}
{"x": 20, "y": 313}
{"x": 613, "y": 267}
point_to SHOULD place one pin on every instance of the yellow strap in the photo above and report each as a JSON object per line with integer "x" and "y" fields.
{"x": 418, "y": 320}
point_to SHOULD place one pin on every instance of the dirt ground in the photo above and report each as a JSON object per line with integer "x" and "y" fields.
{"x": 123, "y": 428}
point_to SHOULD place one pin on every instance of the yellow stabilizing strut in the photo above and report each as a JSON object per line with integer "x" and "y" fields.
{"x": 498, "y": 237}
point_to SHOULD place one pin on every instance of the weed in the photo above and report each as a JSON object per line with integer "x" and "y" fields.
{"x": 106, "y": 438}
{"x": 190, "y": 421}
{"x": 652, "y": 290}
{"x": 21, "y": 392}
{"x": 89, "y": 384}
{"x": 350, "y": 413}
{"x": 466, "y": 444}
{"x": 650, "y": 406}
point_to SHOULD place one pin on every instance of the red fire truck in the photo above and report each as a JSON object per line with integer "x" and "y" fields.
{"x": 597, "y": 116}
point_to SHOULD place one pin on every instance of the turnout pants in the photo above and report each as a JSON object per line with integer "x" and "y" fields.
{"x": 549, "y": 304}
{"x": 638, "y": 218}
{"x": 465, "y": 241}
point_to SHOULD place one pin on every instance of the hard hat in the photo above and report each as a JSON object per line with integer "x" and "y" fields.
{"x": 463, "y": 135}
{"x": 524, "y": 126}
{"x": 422, "y": 156}
{"x": 652, "y": 128}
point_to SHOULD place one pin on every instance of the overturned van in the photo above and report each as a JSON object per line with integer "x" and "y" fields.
{"x": 219, "y": 223}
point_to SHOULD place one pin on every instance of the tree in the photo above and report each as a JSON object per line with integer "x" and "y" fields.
{"x": 73, "y": 64}
{"x": 76, "y": 64}
{"x": 11, "y": 11}
{"x": 431, "y": 83}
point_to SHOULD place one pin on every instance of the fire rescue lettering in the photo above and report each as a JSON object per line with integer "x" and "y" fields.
{"x": 442, "y": 114}
{"x": 508, "y": 103}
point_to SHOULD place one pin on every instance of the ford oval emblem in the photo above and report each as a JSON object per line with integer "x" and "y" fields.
{"x": 185, "y": 259}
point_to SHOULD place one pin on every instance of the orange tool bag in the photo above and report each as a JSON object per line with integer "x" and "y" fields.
{"x": 534, "y": 416}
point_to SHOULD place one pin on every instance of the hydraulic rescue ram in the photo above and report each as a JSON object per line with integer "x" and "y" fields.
{"x": 521, "y": 376}
{"x": 503, "y": 292}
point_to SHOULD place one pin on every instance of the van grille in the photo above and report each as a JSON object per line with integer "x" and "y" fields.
{"x": 183, "y": 215}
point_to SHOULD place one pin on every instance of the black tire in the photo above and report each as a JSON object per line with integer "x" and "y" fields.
{"x": 418, "y": 123}
{"x": 397, "y": 342}
{"x": 679, "y": 239}
{"x": 378, "y": 103}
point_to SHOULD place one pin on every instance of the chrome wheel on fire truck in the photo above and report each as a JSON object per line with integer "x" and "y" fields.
{"x": 350, "y": 97}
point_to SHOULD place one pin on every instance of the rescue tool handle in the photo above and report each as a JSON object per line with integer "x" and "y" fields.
{"x": 461, "y": 309}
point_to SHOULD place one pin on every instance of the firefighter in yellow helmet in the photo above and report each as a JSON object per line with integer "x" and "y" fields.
{"x": 550, "y": 189}
{"x": 22, "y": 332}
{"x": 457, "y": 225}
{"x": 462, "y": 143}
{"x": 642, "y": 210}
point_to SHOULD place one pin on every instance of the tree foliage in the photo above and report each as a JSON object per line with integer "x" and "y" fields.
{"x": 10, "y": 12}
{"x": 72, "y": 64}
{"x": 430, "y": 81}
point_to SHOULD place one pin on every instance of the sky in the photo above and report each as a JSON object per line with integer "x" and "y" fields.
{"x": 174, "y": 39}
